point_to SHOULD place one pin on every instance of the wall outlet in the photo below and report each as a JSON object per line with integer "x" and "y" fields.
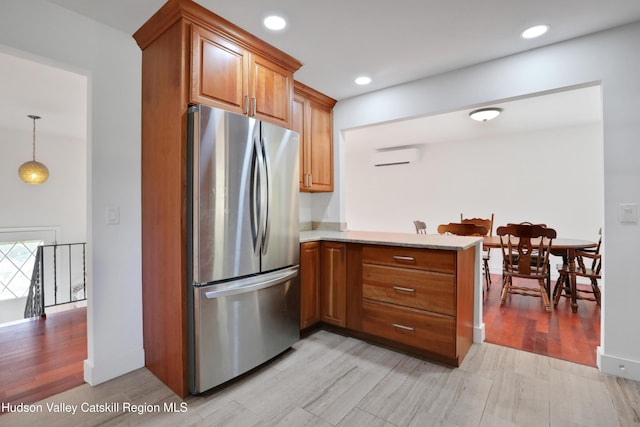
{"x": 112, "y": 215}
{"x": 628, "y": 213}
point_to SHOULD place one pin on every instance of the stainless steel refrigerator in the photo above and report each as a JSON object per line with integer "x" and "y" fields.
{"x": 244, "y": 250}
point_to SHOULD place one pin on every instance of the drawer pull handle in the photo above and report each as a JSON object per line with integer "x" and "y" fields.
{"x": 406, "y": 328}
{"x": 404, "y": 258}
{"x": 400, "y": 288}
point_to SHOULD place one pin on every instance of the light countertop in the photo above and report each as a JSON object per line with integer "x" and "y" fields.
{"x": 429, "y": 241}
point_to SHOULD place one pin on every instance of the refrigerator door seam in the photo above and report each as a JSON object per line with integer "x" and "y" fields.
{"x": 256, "y": 196}
{"x": 267, "y": 227}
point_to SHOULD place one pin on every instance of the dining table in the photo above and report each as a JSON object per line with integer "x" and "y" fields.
{"x": 564, "y": 247}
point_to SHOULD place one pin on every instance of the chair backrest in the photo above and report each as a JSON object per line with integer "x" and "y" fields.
{"x": 593, "y": 254}
{"x": 487, "y": 222}
{"x": 421, "y": 227}
{"x": 463, "y": 229}
{"x": 526, "y": 248}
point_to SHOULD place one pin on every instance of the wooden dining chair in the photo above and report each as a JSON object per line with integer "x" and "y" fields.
{"x": 534, "y": 258}
{"x": 460, "y": 229}
{"x": 525, "y": 252}
{"x": 486, "y": 255}
{"x": 588, "y": 265}
{"x": 421, "y": 227}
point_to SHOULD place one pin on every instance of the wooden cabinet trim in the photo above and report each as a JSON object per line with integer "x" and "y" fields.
{"x": 174, "y": 10}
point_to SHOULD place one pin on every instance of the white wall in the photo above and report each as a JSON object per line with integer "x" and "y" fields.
{"x": 610, "y": 57}
{"x": 61, "y": 202}
{"x": 112, "y": 62}
{"x": 523, "y": 177}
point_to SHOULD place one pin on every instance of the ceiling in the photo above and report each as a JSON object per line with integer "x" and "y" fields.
{"x": 392, "y": 42}
{"x": 575, "y": 107}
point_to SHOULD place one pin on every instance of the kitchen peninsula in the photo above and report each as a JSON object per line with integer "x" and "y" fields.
{"x": 416, "y": 293}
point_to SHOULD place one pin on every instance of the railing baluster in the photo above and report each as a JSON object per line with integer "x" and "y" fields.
{"x": 36, "y": 305}
{"x": 70, "y": 274}
{"x": 55, "y": 275}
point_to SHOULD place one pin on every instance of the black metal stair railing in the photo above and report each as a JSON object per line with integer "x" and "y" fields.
{"x": 57, "y": 278}
{"x": 35, "y": 303}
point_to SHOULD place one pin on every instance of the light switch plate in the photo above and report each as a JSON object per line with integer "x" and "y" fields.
{"x": 112, "y": 215}
{"x": 628, "y": 213}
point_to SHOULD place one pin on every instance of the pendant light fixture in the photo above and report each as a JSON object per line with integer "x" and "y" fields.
{"x": 33, "y": 172}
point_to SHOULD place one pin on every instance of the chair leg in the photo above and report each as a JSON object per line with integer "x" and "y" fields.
{"x": 506, "y": 284}
{"x": 487, "y": 276}
{"x": 596, "y": 290}
{"x": 544, "y": 295}
{"x": 558, "y": 289}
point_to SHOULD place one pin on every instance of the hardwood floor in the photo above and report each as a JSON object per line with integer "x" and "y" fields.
{"x": 522, "y": 323}
{"x": 42, "y": 357}
{"x": 329, "y": 379}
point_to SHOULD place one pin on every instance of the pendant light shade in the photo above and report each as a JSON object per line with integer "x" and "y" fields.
{"x": 33, "y": 172}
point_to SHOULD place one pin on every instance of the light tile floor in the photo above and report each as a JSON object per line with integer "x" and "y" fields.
{"x": 328, "y": 379}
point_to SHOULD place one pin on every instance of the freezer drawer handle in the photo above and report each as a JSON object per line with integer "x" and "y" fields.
{"x": 406, "y": 328}
{"x": 255, "y": 283}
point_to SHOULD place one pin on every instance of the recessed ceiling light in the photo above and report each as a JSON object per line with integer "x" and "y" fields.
{"x": 363, "y": 80}
{"x": 484, "y": 114}
{"x": 275, "y": 23}
{"x": 535, "y": 31}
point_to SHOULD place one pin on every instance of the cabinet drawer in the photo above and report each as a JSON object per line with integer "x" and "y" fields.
{"x": 421, "y": 259}
{"x": 431, "y": 332}
{"x": 412, "y": 288}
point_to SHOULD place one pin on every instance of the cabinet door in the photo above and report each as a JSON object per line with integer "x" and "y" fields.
{"x": 219, "y": 72}
{"x": 298, "y": 125}
{"x": 333, "y": 290}
{"x": 321, "y": 145}
{"x": 309, "y": 284}
{"x": 270, "y": 92}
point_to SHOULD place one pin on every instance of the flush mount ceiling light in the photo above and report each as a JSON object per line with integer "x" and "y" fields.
{"x": 274, "y": 22}
{"x": 33, "y": 172}
{"x": 363, "y": 80}
{"x": 535, "y": 31}
{"x": 484, "y": 114}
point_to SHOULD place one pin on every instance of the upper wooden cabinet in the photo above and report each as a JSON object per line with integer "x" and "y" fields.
{"x": 224, "y": 66}
{"x": 227, "y": 76}
{"x": 313, "y": 120}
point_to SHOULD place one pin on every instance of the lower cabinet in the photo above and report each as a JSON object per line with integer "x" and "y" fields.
{"x": 309, "y": 284}
{"x": 419, "y": 300}
{"x": 333, "y": 283}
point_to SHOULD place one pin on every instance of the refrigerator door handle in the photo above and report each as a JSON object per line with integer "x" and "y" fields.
{"x": 257, "y": 173}
{"x": 254, "y": 283}
{"x": 267, "y": 210}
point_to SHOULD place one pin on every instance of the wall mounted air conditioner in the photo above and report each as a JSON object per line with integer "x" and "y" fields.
{"x": 391, "y": 157}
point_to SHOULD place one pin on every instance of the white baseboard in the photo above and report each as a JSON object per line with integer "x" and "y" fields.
{"x": 478, "y": 333}
{"x": 95, "y": 374}
{"x": 617, "y": 366}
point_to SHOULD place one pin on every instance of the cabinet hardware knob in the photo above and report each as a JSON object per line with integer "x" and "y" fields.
{"x": 406, "y": 328}
{"x": 246, "y": 105}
